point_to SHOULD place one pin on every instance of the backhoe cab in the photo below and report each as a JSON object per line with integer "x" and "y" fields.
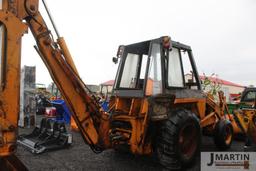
{"x": 155, "y": 67}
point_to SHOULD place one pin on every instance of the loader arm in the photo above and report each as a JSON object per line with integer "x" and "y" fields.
{"x": 16, "y": 17}
{"x": 84, "y": 107}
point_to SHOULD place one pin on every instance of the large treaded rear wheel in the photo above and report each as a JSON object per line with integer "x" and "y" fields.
{"x": 178, "y": 140}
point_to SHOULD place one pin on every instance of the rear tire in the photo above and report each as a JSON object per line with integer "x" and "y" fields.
{"x": 223, "y": 134}
{"x": 179, "y": 139}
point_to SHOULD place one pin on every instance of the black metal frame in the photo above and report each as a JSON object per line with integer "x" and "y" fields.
{"x": 133, "y": 92}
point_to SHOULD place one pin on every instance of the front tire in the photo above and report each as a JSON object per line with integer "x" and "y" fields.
{"x": 179, "y": 139}
{"x": 223, "y": 134}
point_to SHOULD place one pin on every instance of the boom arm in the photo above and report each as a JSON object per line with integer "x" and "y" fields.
{"x": 90, "y": 119}
{"x": 84, "y": 108}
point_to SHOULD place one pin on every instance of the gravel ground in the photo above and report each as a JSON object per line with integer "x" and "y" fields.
{"x": 79, "y": 157}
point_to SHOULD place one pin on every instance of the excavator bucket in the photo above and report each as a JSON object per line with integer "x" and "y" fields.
{"x": 50, "y": 135}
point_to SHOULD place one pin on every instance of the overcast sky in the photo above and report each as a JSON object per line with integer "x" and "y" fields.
{"x": 222, "y": 34}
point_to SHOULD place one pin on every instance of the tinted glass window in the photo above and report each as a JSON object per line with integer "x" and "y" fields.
{"x": 175, "y": 76}
{"x": 154, "y": 82}
{"x": 189, "y": 75}
{"x": 250, "y": 96}
{"x": 130, "y": 71}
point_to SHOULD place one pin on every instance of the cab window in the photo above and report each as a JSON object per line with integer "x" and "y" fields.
{"x": 189, "y": 74}
{"x": 250, "y": 96}
{"x": 154, "y": 81}
{"x": 130, "y": 71}
{"x": 133, "y": 67}
{"x": 175, "y": 73}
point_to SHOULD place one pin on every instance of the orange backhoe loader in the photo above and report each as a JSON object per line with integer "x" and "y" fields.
{"x": 154, "y": 107}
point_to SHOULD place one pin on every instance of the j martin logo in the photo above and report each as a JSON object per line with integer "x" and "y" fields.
{"x": 228, "y": 161}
